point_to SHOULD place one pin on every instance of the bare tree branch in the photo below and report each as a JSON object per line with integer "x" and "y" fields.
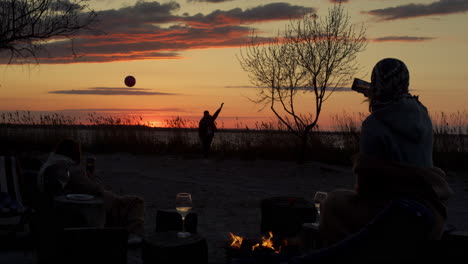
{"x": 314, "y": 55}
{"x": 26, "y": 25}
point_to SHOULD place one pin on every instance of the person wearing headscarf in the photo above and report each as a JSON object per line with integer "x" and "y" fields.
{"x": 399, "y": 127}
{"x": 394, "y": 161}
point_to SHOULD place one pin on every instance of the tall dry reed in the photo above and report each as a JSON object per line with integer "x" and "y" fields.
{"x": 22, "y": 130}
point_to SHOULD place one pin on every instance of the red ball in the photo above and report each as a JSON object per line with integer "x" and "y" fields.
{"x": 130, "y": 81}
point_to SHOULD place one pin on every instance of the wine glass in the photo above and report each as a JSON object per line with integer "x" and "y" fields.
{"x": 183, "y": 206}
{"x": 318, "y": 198}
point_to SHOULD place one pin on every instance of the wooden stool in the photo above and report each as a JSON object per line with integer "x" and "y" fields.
{"x": 170, "y": 220}
{"x": 166, "y": 247}
{"x": 75, "y": 213}
{"x": 284, "y": 216}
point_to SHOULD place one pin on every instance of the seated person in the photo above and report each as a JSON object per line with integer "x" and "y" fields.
{"x": 68, "y": 176}
{"x": 399, "y": 200}
{"x": 395, "y": 160}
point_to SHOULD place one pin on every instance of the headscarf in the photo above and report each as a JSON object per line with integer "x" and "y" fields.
{"x": 389, "y": 82}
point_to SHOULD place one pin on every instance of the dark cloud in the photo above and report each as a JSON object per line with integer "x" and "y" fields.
{"x": 441, "y": 7}
{"x": 64, "y": 5}
{"x": 210, "y": 1}
{"x": 110, "y": 91}
{"x": 124, "y": 110}
{"x": 241, "y": 86}
{"x": 151, "y": 30}
{"x": 402, "y": 39}
{"x": 269, "y": 12}
{"x": 341, "y": 89}
{"x": 141, "y": 17}
{"x": 337, "y": 89}
{"x": 338, "y": 1}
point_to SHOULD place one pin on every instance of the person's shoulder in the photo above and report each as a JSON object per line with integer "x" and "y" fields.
{"x": 372, "y": 125}
{"x": 369, "y": 120}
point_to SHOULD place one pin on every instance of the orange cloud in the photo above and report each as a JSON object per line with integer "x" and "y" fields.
{"x": 110, "y": 91}
{"x": 402, "y": 39}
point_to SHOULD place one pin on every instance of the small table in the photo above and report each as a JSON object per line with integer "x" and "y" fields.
{"x": 166, "y": 247}
{"x": 77, "y": 213}
{"x": 284, "y": 216}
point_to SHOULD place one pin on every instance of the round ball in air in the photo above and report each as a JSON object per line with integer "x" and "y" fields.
{"x": 130, "y": 81}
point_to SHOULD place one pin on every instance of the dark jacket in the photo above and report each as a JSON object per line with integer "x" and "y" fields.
{"x": 400, "y": 131}
{"x": 384, "y": 179}
{"x": 207, "y": 125}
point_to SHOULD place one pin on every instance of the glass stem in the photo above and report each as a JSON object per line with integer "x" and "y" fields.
{"x": 183, "y": 224}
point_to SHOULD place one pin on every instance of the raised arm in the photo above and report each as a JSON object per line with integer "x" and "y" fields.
{"x": 217, "y": 111}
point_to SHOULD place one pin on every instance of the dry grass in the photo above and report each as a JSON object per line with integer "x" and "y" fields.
{"x": 23, "y": 131}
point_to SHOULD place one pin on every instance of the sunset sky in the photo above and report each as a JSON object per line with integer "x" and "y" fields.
{"x": 183, "y": 56}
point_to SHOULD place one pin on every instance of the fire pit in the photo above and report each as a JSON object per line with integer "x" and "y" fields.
{"x": 263, "y": 250}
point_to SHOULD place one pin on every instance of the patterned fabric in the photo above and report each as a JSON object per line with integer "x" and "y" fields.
{"x": 378, "y": 181}
{"x": 9, "y": 206}
{"x": 389, "y": 82}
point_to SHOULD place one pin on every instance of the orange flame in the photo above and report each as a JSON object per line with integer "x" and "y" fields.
{"x": 266, "y": 242}
{"x": 236, "y": 240}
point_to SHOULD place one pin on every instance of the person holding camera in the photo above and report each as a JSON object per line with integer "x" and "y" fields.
{"x": 394, "y": 161}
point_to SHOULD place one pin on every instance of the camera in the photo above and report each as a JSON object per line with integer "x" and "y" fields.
{"x": 361, "y": 86}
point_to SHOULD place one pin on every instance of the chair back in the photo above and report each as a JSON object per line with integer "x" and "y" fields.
{"x": 9, "y": 182}
{"x": 29, "y": 180}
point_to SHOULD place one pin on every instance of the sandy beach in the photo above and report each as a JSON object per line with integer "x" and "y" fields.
{"x": 227, "y": 192}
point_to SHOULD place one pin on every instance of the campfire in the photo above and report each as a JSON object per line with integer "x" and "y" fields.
{"x": 268, "y": 243}
{"x": 240, "y": 247}
{"x": 265, "y": 244}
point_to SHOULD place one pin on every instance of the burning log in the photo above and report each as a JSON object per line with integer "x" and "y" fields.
{"x": 236, "y": 241}
{"x": 266, "y": 243}
{"x": 261, "y": 250}
{"x": 285, "y": 215}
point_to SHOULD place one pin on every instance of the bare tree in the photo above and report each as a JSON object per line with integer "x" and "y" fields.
{"x": 26, "y": 25}
{"x": 312, "y": 56}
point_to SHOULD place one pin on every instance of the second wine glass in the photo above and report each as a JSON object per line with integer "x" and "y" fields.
{"x": 183, "y": 206}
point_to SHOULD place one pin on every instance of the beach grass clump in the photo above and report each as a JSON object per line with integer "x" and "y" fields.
{"x": 451, "y": 139}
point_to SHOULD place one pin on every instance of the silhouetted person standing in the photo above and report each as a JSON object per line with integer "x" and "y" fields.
{"x": 206, "y": 130}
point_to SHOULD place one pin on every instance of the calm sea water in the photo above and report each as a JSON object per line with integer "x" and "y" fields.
{"x": 252, "y": 138}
